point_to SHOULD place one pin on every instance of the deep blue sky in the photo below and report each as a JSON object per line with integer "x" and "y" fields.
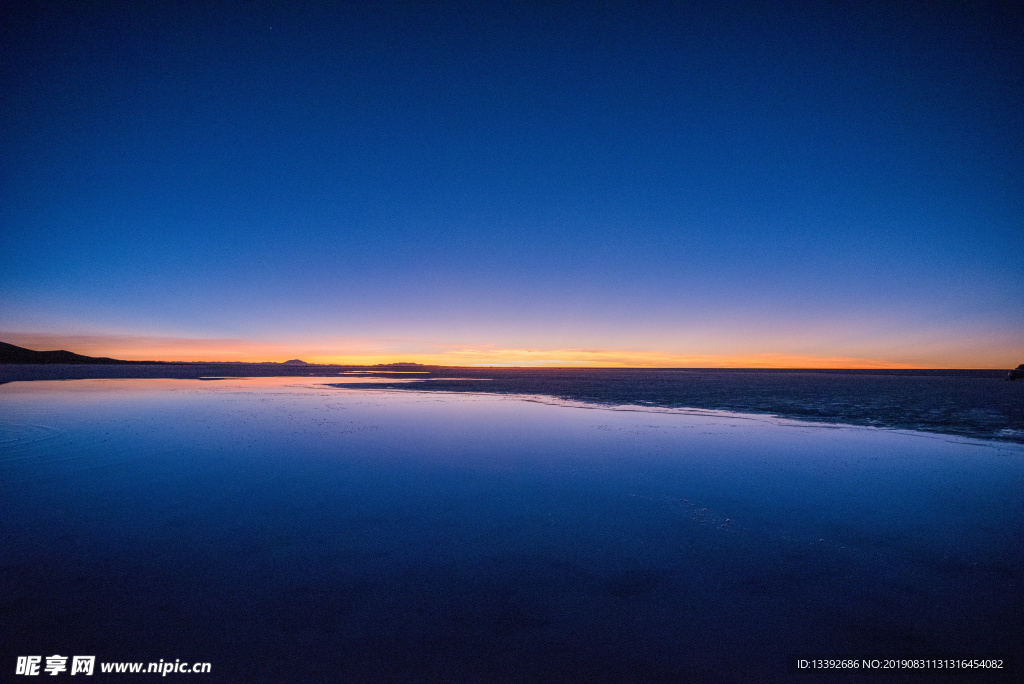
{"x": 684, "y": 179}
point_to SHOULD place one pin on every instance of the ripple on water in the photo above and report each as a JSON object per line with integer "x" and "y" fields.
{"x": 19, "y": 441}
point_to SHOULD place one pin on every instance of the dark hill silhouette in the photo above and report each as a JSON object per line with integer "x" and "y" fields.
{"x": 12, "y": 354}
{"x": 295, "y": 362}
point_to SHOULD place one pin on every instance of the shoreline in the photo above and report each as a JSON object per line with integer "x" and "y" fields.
{"x": 977, "y": 404}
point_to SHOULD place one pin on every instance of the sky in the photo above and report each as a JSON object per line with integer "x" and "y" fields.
{"x": 515, "y": 183}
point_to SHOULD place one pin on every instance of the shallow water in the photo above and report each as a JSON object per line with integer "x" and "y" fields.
{"x": 968, "y": 403}
{"x": 285, "y": 530}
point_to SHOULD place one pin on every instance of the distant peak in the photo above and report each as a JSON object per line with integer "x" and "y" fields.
{"x": 295, "y": 362}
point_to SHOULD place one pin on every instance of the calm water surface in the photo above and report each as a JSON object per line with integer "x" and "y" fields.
{"x": 286, "y": 531}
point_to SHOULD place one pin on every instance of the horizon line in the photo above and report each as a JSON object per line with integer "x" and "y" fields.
{"x": 363, "y": 353}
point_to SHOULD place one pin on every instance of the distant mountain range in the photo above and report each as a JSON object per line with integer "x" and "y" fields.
{"x": 12, "y": 354}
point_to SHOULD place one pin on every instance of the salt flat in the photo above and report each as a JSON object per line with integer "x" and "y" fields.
{"x": 287, "y": 530}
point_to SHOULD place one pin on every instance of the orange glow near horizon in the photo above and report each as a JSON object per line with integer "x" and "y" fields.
{"x": 617, "y": 358}
{"x": 371, "y": 351}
